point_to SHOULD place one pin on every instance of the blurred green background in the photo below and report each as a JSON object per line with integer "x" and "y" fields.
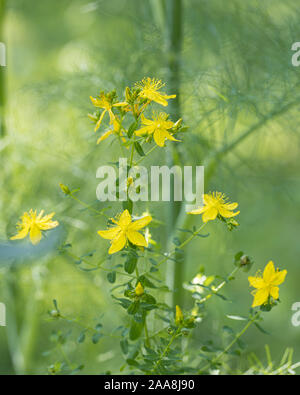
{"x": 236, "y": 79}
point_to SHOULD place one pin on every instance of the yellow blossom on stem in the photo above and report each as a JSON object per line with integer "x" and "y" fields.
{"x": 125, "y": 230}
{"x": 139, "y": 290}
{"x": 150, "y": 90}
{"x": 159, "y": 127}
{"x": 116, "y": 130}
{"x": 105, "y": 102}
{"x": 178, "y": 316}
{"x": 267, "y": 284}
{"x": 216, "y": 204}
{"x": 34, "y": 225}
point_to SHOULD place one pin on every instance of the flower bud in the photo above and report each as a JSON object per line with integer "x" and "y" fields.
{"x": 179, "y": 316}
{"x": 127, "y": 95}
{"x": 54, "y": 314}
{"x": 65, "y": 189}
{"x": 139, "y": 290}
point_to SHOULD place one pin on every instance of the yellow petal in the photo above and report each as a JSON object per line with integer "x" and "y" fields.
{"x": 35, "y": 234}
{"x": 104, "y": 136}
{"x": 111, "y": 116}
{"x": 261, "y": 297}
{"x": 140, "y": 223}
{"x": 231, "y": 206}
{"x": 144, "y": 130}
{"x": 48, "y": 225}
{"x": 197, "y": 211}
{"x": 256, "y": 282}
{"x": 96, "y": 102}
{"x": 110, "y": 233}
{"x": 122, "y": 104}
{"x": 210, "y": 214}
{"x": 118, "y": 243}
{"x": 125, "y": 219}
{"x": 46, "y": 218}
{"x": 100, "y": 120}
{"x": 279, "y": 277}
{"x": 42, "y": 213}
{"x": 146, "y": 121}
{"x": 226, "y": 213}
{"x": 274, "y": 292}
{"x": 208, "y": 199}
{"x": 21, "y": 234}
{"x": 136, "y": 238}
{"x": 269, "y": 273}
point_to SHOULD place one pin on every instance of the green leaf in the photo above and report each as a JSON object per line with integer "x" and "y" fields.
{"x": 133, "y": 308}
{"x": 149, "y": 299}
{"x": 236, "y": 318}
{"x": 124, "y": 346}
{"x": 261, "y": 329}
{"x": 132, "y": 129}
{"x": 98, "y": 327}
{"x": 176, "y": 241}
{"x": 96, "y": 337}
{"x": 81, "y": 337}
{"x": 123, "y": 302}
{"x": 111, "y": 277}
{"x": 139, "y": 149}
{"x": 135, "y": 330}
{"x": 229, "y": 330}
{"x": 132, "y": 362}
{"x": 130, "y": 264}
{"x": 146, "y": 282}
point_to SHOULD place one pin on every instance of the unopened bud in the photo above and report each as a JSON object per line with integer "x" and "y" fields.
{"x": 128, "y": 94}
{"x": 65, "y": 189}
{"x": 139, "y": 290}
{"x": 54, "y": 314}
{"x": 179, "y": 316}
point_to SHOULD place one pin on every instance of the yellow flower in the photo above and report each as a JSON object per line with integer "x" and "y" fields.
{"x": 104, "y": 101}
{"x": 125, "y": 230}
{"x": 215, "y": 204}
{"x": 139, "y": 290}
{"x": 34, "y": 225}
{"x": 178, "y": 316}
{"x": 158, "y": 127}
{"x": 149, "y": 90}
{"x": 267, "y": 285}
{"x": 116, "y": 130}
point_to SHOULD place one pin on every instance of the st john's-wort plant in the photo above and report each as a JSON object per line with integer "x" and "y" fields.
{"x": 156, "y": 338}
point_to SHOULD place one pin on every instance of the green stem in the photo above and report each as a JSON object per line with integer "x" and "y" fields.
{"x": 173, "y": 40}
{"x": 77, "y": 258}
{"x": 147, "y": 334}
{"x": 166, "y": 350}
{"x": 228, "y": 348}
{"x": 147, "y": 153}
{"x": 132, "y": 153}
{"x": 219, "y": 287}
{"x": 89, "y": 207}
{"x": 2, "y": 73}
{"x": 65, "y": 357}
{"x": 87, "y": 328}
{"x": 182, "y": 245}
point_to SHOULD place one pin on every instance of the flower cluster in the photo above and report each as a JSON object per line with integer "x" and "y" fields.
{"x": 137, "y": 99}
{"x": 130, "y": 238}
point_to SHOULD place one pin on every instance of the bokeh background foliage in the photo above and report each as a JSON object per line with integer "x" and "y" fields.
{"x": 240, "y": 97}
